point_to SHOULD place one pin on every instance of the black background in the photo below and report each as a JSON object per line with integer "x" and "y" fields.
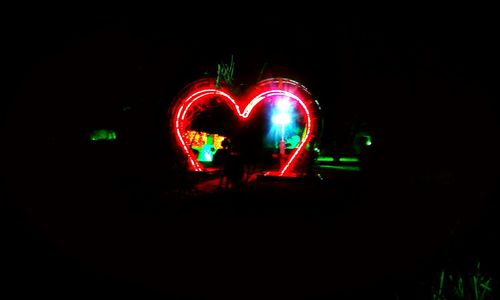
{"x": 423, "y": 78}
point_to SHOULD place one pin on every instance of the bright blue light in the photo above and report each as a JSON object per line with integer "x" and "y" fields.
{"x": 281, "y": 119}
{"x": 283, "y": 104}
{"x": 283, "y": 123}
{"x": 207, "y": 153}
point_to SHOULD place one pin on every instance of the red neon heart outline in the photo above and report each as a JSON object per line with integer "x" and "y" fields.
{"x": 211, "y": 91}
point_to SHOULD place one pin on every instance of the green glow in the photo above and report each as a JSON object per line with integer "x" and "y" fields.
{"x": 325, "y": 158}
{"x": 103, "y": 134}
{"x": 345, "y": 168}
{"x": 342, "y": 159}
{"x": 293, "y": 141}
{"x": 368, "y": 140}
{"x": 348, "y": 159}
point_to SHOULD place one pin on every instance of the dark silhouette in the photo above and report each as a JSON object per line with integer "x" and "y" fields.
{"x": 233, "y": 169}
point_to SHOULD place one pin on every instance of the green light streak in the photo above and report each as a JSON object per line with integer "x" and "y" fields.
{"x": 342, "y": 159}
{"x": 348, "y": 159}
{"x": 325, "y": 158}
{"x": 344, "y": 168}
{"x": 474, "y": 286}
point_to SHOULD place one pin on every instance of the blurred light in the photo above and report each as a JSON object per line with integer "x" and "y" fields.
{"x": 348, "y": 159}
{"x": 103, "y": 134}
{"x": 345, "y": 168}
{"x": 283, "y": 104}
{"x": 281, "y": 119}
{"x": 293, "y": 141}
{"x": 208, "y": 156}
{"x": 325, "y": 158}
{"x": 193, "y": 98}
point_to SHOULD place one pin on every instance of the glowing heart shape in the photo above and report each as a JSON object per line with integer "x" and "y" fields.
{"x": 268, "y": 89}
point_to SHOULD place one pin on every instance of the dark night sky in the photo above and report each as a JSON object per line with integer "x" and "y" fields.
{"x": 421, "y": 80}
{"x": 356, "y": 64}
{"x": 424, "y": 79}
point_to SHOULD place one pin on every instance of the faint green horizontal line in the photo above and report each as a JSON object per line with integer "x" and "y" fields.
{"x": 345, "y": 168}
